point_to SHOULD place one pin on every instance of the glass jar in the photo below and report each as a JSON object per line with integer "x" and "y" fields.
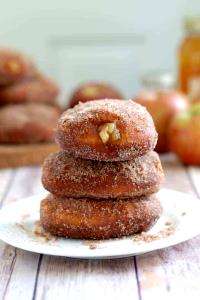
{"x": 189, "y": 55}
{"x": 158, "y": 80}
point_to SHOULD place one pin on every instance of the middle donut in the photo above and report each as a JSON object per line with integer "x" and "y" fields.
{"x": 66, "y": 176}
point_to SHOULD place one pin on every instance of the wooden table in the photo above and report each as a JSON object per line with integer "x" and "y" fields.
{"x": 172, "y": 273}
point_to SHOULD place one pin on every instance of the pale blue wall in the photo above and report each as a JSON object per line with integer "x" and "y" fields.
{"x": 122, "y": 39}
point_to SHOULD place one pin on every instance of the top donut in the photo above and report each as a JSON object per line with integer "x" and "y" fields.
{"x": 107, "y": 130}
{"x": 14, "y": 66}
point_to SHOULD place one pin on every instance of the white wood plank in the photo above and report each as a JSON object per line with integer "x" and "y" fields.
{"x": 86, "y": 279}
{"x": 21, "y": 275}
{"x": 18, "y": 268}
{"x": 175, "y": 174}
{"x": 26, "y": 182}
{"x": 172, "y": 273}
{"x": 17, "y": 272}
{"x": 5, "y": 180}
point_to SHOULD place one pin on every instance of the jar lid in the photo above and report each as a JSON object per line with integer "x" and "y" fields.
{"x": 192, "y": 24}
{"x": 159, "y": 79}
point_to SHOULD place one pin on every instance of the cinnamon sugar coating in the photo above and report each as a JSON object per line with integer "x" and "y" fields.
{"x": 14, "y": 66}
{"x": 38, "y": 89}
{"x": 103, "y": 219}
{"x": 27, "y": 123}
{"x": 78, "y": 130}
{"x": 66, "y": 176}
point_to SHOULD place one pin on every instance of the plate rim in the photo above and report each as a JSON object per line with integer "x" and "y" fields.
{"x": 94, "y": 255}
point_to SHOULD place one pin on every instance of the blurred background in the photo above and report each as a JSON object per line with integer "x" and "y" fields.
{"x": 147, "y": 51}
{"x": 114, "y": 41}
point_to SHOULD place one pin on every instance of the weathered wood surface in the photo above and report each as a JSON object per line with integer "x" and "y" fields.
{"x": 18, "y": 268}
{"x": 171, "y": 273}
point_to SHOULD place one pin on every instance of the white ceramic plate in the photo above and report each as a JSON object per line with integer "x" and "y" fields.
{"x": 179, "y": 222}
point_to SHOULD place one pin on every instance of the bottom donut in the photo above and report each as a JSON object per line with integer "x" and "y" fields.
{"x": 86, "y": 218}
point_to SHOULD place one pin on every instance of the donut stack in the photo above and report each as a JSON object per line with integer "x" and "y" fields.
{"x": 28, "y": 106}
{"x": 102, "y": 183}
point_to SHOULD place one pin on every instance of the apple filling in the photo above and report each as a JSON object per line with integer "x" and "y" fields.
{"x": 109, "y": 132}
{"x": 90, "y": 91}
{"x": 13, "y": 66}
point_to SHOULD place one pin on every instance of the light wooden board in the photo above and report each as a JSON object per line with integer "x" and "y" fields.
{"x": 18, "y": 268}
{"x": 86, "y": 279}
{"x": 171, "y": 273}
{"x": 25, "y": 155}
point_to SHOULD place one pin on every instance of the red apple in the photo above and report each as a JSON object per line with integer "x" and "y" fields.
{"x": 94, "y": 91}
{"x": 162, "y": 105}
{"x": 184, "y": 135}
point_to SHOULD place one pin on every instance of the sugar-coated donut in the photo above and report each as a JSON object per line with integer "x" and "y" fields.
{"x": 39, "y": 89}
{"x": 94, "y": 91}
{"x": 90, "y": 219}
{"x": 27, "y": 123}
{"x": 14, "y": 66}
{"x": 66, "y": 176}
{"x": 108, "y": 130}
